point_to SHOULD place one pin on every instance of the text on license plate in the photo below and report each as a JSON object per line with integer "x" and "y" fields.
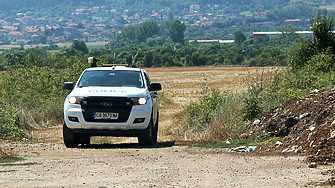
{"x": 106, "y": 115}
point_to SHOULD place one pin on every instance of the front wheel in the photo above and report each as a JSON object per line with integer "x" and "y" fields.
{"x": 71, "y": 139}
{"x": 145, "y": 137}
{"x": 155, "y": 129}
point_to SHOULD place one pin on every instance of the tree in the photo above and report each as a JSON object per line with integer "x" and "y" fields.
{"x": 176, "y": 31}
{"x": 80, "y": 46}
{"x": 139, "y": 59}
{"x": 322, "y": 42}
{"x": 171, "y": 15}
{"x": 167, "y": 60}
{"x": 239, "y": 37}
{"x": 108, "y": 26}
{"x": 288, "y": 31}
{"x": 47, "y": 32}
{"x": 70, "y": 37}
{"x": 15, "y": 58}
{"x": 148, "y": 59}
{"x": 122, "y": 21}
{"x": 80, "y": 25}
{"x": 322, "y": 27}
{"x": 188, "y": 61}
{"x": 146, "y": 30}
{"x": 139, "y": 33}
{"x": 164, "y": 27}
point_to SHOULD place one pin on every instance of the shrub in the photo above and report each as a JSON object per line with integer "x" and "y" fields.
{"x": 214, "y": 116}
{"x": 217, "y": 116}
{"x": 200, "y": 113}
{"x": 36, "y": 91}
{"x": 9, "y": 122}
{"x": 228, "y": 121}
{"x": 323, "y": 62}
{"x": 252, "y": 109}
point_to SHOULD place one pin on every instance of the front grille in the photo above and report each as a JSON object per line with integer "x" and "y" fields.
{"x": 120, "y": 105}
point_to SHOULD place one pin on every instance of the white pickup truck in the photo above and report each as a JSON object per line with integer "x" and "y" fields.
{"x": 111, "y": 101}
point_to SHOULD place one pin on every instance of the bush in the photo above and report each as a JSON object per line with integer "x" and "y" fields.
{"x": 214, "y": 116}
{"x": 323, "y": 62}
{"x": 200, "y": 113}
{"x": 36, "y": 91}
{"x": 252, "y": 109}
{"x": 9, "y": 122}
{"x": 217, "y": 116}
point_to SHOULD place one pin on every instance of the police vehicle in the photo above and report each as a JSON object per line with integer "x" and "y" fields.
{"x": 111, "y": 100}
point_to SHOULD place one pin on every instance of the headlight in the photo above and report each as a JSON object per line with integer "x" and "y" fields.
{"x": 75, "y": 100}
{"x": 139, "y": 100}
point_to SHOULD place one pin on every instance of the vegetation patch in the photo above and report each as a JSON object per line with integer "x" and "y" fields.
{"x": 31, "y": 91}
{"x": 164, "y": 99}
{"x": 9, "y": 159}
{"x": 20, "y": 164}
{"x": 7, "y": 171}
{"x": 215, "y": 115}
{"x": 9, "y": 122}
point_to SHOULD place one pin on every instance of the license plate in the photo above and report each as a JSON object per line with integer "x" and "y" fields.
{"x": 106, "y": 115}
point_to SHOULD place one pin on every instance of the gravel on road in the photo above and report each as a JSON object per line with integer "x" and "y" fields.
{"x": 162, "y": 165}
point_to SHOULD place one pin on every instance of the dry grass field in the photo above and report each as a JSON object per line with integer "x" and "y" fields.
{"x": 183, "y": 84}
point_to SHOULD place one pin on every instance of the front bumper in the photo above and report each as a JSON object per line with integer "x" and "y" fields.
{"x": 137, "y": 112}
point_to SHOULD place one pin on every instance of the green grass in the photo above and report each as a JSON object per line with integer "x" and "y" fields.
{"x": 5, "y": 159}
{"x": 7, "y": 171}
{"x": 95, "y": 46}
{"x": 53, "y": 52}
{"x": 8, "y": 161}
{"x": 19, "y": 164}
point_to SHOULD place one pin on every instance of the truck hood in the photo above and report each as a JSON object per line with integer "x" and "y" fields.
{"x": 109, "y": 91}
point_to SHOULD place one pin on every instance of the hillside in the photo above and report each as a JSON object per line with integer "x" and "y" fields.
{"x": 41, "y": 22}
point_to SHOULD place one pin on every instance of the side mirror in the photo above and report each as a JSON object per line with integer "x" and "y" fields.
{"x": 155, "y": 87}
{"x": 68, "y": 85}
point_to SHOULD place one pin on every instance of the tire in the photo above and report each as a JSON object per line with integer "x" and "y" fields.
{"x": 145, "y": 137}
{"x": 155, "y": 130}
{"x": 85, "y": 140}
{"x": 71, "y": 139}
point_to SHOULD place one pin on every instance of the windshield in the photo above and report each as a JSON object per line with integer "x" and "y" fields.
{"x": 111, "y": 78}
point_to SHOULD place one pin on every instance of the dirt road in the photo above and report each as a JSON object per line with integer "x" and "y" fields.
{"x": 166, "y": 164}
{"x": 163, "y": 165}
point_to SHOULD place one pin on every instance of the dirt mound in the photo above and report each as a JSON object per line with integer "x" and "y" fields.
{"x": 305, "y": 125}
